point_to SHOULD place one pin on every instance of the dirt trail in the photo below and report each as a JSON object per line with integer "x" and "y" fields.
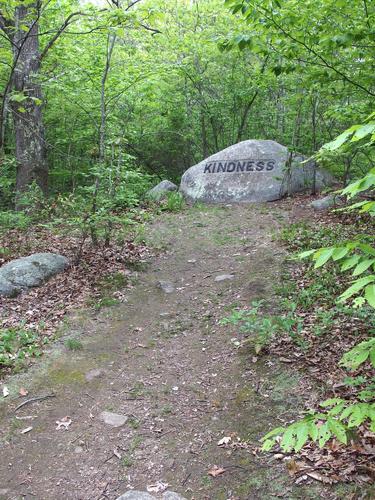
{"x": 164, "y": 361}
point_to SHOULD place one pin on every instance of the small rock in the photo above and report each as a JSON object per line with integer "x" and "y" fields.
{"x": 113, "y": 419}
{"x": 167, "y": 315}
{"x": 161, "y": 190}
{"x": 166, "y": 286}
{"x": 171, "y": 495}
{"x": 323, "y": 203}
{"x": 136, "y": 495}
{"x": 224, "y": 277}
{"x": 142, "y": 495}
{"x": 93, "y": 374}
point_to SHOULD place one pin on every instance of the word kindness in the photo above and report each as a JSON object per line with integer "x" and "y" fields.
{"x": 215, "y": 167}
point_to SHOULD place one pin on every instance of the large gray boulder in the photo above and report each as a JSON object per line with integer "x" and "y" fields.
{"x": 28, "y": 272}
{"x": 161, "y": 190}
{"x": 250, "y": 171}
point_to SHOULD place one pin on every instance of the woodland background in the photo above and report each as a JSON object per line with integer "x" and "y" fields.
{"x": 145, "y": 89}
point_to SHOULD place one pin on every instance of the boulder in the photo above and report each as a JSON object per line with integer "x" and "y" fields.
{"x": 28, "y": 272}
{"x": 7, "y": 289}
{"x": 250, "y": 171}
{"x": 161, "y": 190}
{"x": 323, "y": 203}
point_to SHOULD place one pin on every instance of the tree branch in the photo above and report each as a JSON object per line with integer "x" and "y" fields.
{"x": 316, "y": 54}
{"x": 59, "y": 32}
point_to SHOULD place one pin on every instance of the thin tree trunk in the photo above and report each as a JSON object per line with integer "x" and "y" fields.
{"x": 204, "y": 135}
{"x": 248, "y": 106}
{"x": 27, "y": 115}
{"x": 315, "y": 145}
{"x": 103, "y": 113}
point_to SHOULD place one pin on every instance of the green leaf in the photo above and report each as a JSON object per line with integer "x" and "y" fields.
{"x": 370, "y": 294}
{"x": 358, "y": 415}
{"x": 340, "y": 140}
{"x": 350, "y": 262}
{"x": 303, "y": 255}
{"x": 358, "y": 354}
{"x": 302, "y": 433}
{"x": 330, "y": 402}
{"x": 323, "y": 256}
{"x": 338, "y": 430}
{"x": 323, "y": 434}
{"x": 363, "y": 131}
{"x": 275, "y": 432}
{"x": 288, "y": 441}
{"x": 363, "y": 266}
{"x": 356, "y": 287}
{"x": 339, "y": 253}
{"x": 313, "y": 430}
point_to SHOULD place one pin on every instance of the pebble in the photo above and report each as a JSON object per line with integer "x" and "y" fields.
{"x": 224, "y": 277}
{"x": 166, "y": 286}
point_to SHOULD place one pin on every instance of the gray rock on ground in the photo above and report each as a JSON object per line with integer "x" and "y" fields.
{"x": 224, "y": 277}
{"x": 166, "y": 286}
{"x": 323, "y": 203}
{"x": 113, "y": 419}
{"x": 94, "y": 374}
{"x": 142, "y": 495}
{"x": 250, "y": 171}
{"x": 136, "y": 495}
{"x": 161, "y": 190}
{"x": 29, "y": 272}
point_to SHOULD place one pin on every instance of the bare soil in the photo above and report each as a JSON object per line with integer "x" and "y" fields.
{"x": 164, "y": 361}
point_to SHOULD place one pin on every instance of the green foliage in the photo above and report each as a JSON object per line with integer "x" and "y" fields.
{"x": 359, "y": 355}
{"x": 174, "y": 202}
{"x": 104, "y": 204}
{"x": 7, "y": 181}
{"x": 73, "y": 345}
{"x": 17, "y": 344}
{"x": 14, "y": 220}
{"x": 261, "y": 327}
{"x": 341, "y": 416}
{"x": 359, "y": 258}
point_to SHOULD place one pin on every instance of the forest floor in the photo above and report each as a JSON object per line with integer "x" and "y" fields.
{"x": 164, "y": 361}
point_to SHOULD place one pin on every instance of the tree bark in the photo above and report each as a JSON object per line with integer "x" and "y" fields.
{"x": 27, "y": 115}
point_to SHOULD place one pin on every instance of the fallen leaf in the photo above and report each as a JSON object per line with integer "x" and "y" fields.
{"x": 216, "y": 471}
{"x": 319, "y": 477}
{"x": 293, "y": 467}
{"x": 64, "y": 423}
{"x": 23, "y": 391}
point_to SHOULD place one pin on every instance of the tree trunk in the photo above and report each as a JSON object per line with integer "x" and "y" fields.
{"x": 27, "y": 115}
{"x": 111, "y": 40}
